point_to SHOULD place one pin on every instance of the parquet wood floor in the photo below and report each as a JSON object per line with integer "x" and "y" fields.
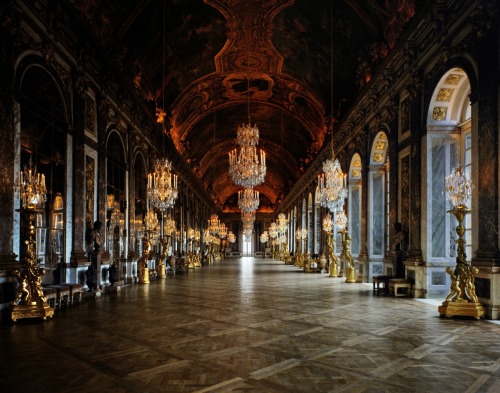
{"x": 250, "y": 325}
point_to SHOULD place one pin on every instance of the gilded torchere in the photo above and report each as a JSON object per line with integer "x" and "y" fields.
{"x": 462, "y": 299}
{"x": 30, "y": 302}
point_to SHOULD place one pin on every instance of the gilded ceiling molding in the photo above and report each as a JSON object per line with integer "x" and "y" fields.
{"x": 211, "y": 93}
{"x": 249, "y": 45}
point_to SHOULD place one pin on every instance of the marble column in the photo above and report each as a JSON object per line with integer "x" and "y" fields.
{"x": 363, "y": 268}
{"x": 79, "y": 226}
{"x": 9, "y": 118}
{"x": 485, "y": 141}
{"x": 414, "y": 261}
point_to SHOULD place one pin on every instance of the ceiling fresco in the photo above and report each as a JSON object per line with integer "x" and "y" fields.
{"x": 212, "y": 64}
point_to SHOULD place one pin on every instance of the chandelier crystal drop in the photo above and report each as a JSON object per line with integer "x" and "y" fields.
{"x": 458, "y": 187}
{"x": 31, "y": 186}
{"x": 248, "y": 200}
{"x": 331, "y": 190}
{"x": 162, "y": 185}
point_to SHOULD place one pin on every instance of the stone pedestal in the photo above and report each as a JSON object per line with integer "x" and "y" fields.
{"x": 416, "y": 273}
{"x": 487, "y": 283}
{"x": 362, "y": 267}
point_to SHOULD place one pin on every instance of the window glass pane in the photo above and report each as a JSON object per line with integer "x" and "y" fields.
{"x": 438, "y": 206}
{"x": 378, "y": 214}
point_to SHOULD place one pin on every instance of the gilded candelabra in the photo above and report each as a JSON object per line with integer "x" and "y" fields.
{"x": 462, "y": 299}
{"x": 30, "y": 302}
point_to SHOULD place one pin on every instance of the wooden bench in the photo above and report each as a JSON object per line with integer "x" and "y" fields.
{"x": 396, "y": 284}
{"x": 75, "y": 292}
{"x": 51, "y": 296}
{"x": 384, "y": 280}
{"x": 62, "y": 295}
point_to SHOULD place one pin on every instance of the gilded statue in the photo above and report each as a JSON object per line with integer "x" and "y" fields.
{"x": 334, "y": 266}
{"x": 351, "y": 269}
{"x": 142, "y": 263}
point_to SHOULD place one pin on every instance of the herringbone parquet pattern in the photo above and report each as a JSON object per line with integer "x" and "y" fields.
{"x": 250, "y": 326}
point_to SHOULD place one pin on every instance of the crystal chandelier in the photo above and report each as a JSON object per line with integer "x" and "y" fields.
{"x": 341, "y": 220}
{"x": 301, "y": 234}
{"x": 273, "y": 230}
{"x": 162, "y": 185}
{"x": 264, "y": 237}
{"x": 32, "y": 187}
{"x": 169, "y": 226}
{"x": 151, "y": 220}
{"x": 458, "y": 187}
{"x": 248, "y": 200}
{"x": 282, "y": 223}
{"x": 222, "y": 232}
{"x": 245, "y": 168}
{"x": 213, "y": 223}
{"x": 231, "y": 237}
{"x": 331, "y": 190}
{"x": 190, "y": 233}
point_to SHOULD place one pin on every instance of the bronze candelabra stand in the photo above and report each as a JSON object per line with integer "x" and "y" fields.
{"x": 30, "y": 302}
{"x": 462, "y": 299}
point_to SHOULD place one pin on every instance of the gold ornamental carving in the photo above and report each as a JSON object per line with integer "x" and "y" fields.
{"x": 462, "y": 299}
{"x": 453, "y": 79}
{"x": 439, "y": 113}
{"x": 444, "y": 95}
{"x": 31, "y": 301}
{"x": 334, "y": 265}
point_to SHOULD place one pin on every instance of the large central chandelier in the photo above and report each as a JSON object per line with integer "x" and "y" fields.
{"x": 246, "y": 168}
{"x": 331, "y": 190}
{"x": 248, "y": 200}
{"x": 162, "y": 185}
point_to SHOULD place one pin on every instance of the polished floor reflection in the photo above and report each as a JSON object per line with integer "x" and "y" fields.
{"x": 249, "y": 325}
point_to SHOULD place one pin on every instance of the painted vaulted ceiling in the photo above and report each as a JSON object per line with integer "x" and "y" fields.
{"x": 210, "y": 64}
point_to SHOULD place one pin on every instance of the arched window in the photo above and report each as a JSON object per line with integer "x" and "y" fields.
{"x": 448, "y": 144}
{"x": 116, "y": 189}
{"x": 43, "y": 141}
{"x": 354, "y": 200}
{"x": 378, "y": 198}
